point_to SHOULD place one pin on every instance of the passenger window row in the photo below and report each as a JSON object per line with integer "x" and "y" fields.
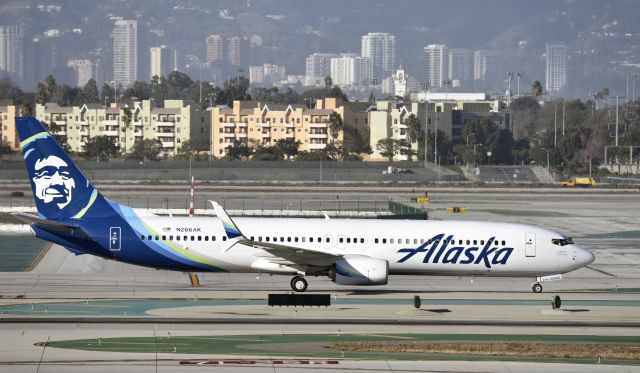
{"x": 180, "y": 238}
{"x": 327, "y": 239}
{"x": 422, "y": 241}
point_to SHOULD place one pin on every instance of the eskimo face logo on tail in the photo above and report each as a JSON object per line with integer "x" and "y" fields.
{"x": 53, "y": 181}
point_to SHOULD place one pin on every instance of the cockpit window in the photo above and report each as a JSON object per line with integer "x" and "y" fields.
{"x": 562, "y": 241}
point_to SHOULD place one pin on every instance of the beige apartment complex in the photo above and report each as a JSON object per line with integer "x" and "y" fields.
{"x": 387, "y": 119}
{"x": 178, "y": 121}
{"x": 8, "y": 132}
{"x": 263, "y": 124}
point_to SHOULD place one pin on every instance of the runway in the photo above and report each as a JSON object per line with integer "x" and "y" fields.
{"x": 600, "y": 300}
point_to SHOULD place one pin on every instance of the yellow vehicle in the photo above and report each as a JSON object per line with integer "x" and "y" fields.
{"x": 580, "y": 182}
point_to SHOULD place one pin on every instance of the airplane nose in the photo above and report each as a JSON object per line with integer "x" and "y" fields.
{"x": 586, "y": 257}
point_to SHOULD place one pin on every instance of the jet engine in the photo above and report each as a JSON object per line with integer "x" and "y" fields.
{"x": 359, "y": 270}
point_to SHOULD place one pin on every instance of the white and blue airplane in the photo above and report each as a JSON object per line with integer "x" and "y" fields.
{"x": 73, "y": 214}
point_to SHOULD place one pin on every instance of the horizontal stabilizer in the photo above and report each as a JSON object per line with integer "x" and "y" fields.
{"x": 44, "y": 224}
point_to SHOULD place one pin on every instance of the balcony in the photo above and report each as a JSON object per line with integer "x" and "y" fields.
{"x": 266, "y": 134}
{"x": 241, "y": 135}
{"x": 229, "y": 134}
{"x": 317, "y": 135}
{"x": 167, "y": 144}
{"x": 265, "y": 124}
{"x": 111, "y": 122}
{"x": 242, "y": 124}
{"x": 289, "y": 135}
{"x": 83, "y": 122}
{"x": 228, "y": 124}
{"x": 289, "y": 125}
{"x": 317, "y": 146}
{"x": 110, "y": 133}
{"x": 165, "y": 124}
{"x": 317, "y": 125}
{"x": 165, "y": 134}
{"x": 84, "y": 132}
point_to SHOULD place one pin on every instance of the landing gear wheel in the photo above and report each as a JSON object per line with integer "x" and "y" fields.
{"x": 299, "y": 284}
{"x": 537, "y": 288}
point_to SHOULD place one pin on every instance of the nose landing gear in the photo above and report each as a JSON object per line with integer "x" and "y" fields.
{"x": 537, "y": 288}
{"x": 299, "y": 284}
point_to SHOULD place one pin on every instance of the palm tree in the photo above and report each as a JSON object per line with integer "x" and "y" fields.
{"x": 126, "y": 118}
{"x": 414, "y": 131}
{"x": 335, "y": 125}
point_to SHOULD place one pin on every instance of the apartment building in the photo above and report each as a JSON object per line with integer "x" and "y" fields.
{"x": 178, "y": 121}
{"x": 8, "y": 132}
{"x": 263, "y": 124}
{"x": 388, "y": 117}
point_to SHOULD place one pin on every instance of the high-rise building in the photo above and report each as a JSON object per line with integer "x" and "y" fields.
{"x": 318, "y": 65}
{"x": 556, "y": 67}
{"x": 215, "y": 49}
{"x": 130, "y": 53}
{"x": 487, "y": 64}
{"x": 350, "y": 69}
{"x": 12, "y": 50}
{"x": 83, "y": 70}
{"x": 459, "y": 64}
{"x": 163, "y": 61}
{"x": 234, "y": 54}
{"x": 437, "y": 64}
{"x": 381, "y": 48}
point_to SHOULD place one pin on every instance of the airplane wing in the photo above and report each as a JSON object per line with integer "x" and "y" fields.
{"x": 283, "y": 254}
{"x": 47, "y": 225}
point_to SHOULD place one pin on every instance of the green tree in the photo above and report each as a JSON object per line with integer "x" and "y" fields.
{"x": 100, "y": 148}
{"x": 90, "y": 92}
{"x": 5, "y": 148}
{"x": 107, "y": 94}
{"x": 335, "y": 125}
{"x": 388, "y": 147}
{"x": 267, "y": 153}
{"x": 288, "y": 147}
{"x": 536, "y": 88}
{"x": 238, "y": 150}
{"x": 146, "y": 150}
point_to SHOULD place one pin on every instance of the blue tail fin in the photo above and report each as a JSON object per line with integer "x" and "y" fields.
{"x": 60, "y": 189}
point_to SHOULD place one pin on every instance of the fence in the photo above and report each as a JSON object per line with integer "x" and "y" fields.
{"x": 262, "y": 206}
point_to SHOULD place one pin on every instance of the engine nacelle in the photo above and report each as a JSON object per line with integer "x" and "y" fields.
{"x": 360, "y": 270}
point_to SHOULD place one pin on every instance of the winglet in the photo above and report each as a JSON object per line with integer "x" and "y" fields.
{"x": 230, "y": 228}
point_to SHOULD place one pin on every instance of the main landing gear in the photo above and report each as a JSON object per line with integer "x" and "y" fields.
{"x": 299, "y": 284}
{"x": 537, "y": 288}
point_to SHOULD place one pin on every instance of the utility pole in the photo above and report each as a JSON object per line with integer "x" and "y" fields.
{"x": 562, "y": 118}
{"x": 617, "y": 118}
{"x": 555, "y": 125}
{"x": 518, "y": 75}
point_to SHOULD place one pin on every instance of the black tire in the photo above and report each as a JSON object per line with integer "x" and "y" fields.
{"x": 537, "y": 288}
{"x": 299, "y": 284}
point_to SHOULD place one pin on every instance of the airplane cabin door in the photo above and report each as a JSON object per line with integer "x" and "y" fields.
{"x": 530, "y": 245}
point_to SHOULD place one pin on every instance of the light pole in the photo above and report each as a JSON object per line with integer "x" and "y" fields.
{"x": 518, "y": 75}
{"x": 425, "y": 87}
{"x": 547, "y": 173}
